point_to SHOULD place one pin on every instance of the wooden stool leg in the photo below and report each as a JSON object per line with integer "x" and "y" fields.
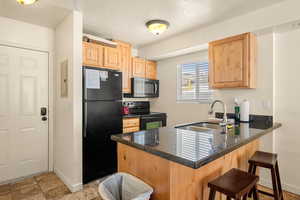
{"x": 250, "y": 169}
{"x": 278, "y": 181}
{"x": 274, "y": 183}
{"x": 254, "y": 170}
{"x": 212, "y": 194}
{"x": 255, "y": 196}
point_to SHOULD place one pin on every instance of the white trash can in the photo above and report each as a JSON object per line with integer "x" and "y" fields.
{"x": 122, "y": 186}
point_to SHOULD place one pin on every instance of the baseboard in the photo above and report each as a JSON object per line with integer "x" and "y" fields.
{"x": 73, "y": 187}
{"x": 287, "y": 187}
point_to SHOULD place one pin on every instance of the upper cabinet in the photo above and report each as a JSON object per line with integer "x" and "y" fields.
{"x": 111, "y": 58}
{"x": 118, "y": 58}
{"x": 151, "y": 70}
{"x": 92, "y": 54}
{"x": 125, "y": 65}
{"x": 138, "y": 67}
{"x": 232, "y": 62}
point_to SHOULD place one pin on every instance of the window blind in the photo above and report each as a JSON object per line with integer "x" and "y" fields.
{"x": 192, "y": 83}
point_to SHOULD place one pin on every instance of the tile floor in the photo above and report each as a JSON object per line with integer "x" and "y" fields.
{"x": 49, "y": 187}
{"x": 46, "y": 187}
{"x": 286, "y": 195}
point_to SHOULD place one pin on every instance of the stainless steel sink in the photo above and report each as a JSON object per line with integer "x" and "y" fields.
{"x": 201, "y": 126}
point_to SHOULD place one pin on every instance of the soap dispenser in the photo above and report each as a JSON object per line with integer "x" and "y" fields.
{"x": 236, "y": 111}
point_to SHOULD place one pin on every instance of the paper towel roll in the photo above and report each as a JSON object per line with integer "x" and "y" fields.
{"x": 245, "y": 108}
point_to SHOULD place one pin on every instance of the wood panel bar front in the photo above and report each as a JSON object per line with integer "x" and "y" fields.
{"x": 174, "y": 181}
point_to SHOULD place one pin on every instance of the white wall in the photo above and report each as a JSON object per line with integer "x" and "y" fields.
{"x": 21, "y": 34}
{"x": 281, "y": 13}
{"x": 68, "y": 111}
{"x": 177, "y": 112}
{"x": 287, "y": 107}
{"x": 24, "y": 35}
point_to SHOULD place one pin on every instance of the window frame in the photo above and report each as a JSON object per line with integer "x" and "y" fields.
{"x": 179, "y": 86}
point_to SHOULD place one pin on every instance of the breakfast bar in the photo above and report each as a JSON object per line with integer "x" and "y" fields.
{"x": 179, "y": 162}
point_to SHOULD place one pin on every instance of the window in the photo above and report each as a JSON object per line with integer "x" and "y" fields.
{"x": 192, "y": 83}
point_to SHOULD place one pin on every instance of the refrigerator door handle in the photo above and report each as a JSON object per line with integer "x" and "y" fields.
{"x": 85, "y": 121}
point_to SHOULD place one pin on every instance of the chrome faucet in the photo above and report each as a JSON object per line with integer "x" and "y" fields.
{"x": 211, "y": 110}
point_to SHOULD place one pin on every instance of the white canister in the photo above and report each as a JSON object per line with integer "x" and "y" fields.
{"x": 245, "y": 109}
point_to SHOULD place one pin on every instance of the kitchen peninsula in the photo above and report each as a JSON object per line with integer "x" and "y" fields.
{"x": 179, "y": 162}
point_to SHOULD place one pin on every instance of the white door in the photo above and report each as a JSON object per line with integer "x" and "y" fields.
{"x": 23, "y": 92}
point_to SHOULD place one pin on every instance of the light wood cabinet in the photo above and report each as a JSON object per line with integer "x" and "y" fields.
{"x": 173, "y": 181}
{"x": 151, "y": 70}
{"x": 131, "y": 125}
{"x": 131, "y": 129}
{"x": 92, "y": 54}
{"x": 111, "y": 58}
{"x": 232, "y": 62}
{"x": 97, "y": 55}
{"x": 138, "y": 67}
{"x": 125, "y": 65}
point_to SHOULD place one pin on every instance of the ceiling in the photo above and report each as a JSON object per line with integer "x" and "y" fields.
{"x": 45, "y": 12}
{"x": 125, "y": 19}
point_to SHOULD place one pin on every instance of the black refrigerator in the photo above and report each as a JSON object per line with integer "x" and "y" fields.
{"x": 102, "y": 117}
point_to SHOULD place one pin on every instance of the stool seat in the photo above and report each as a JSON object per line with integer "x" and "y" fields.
{"x": 235, "y": 183}
{"x": 264, "y": 159}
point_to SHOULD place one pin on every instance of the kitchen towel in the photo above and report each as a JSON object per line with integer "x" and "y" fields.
{"x": 245, "y": 109}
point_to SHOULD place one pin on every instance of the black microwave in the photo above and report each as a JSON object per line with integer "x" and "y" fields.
{"x": 144, "y": 88}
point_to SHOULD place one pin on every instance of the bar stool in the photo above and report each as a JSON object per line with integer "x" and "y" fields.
{"x": 267, "y": 160}
{"x": 234, "y": 184}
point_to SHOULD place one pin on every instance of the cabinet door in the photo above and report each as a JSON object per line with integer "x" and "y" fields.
{"x": 138, "y": 67}
{"x": 111, "y": 58}
{"x": 151, "y": 70}
{"x": 125, "y": 65}
{"x": 92, "y": 54}
{"x": 232, "y": 62}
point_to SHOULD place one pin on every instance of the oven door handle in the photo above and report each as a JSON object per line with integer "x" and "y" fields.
{"x": 159, "y": 118}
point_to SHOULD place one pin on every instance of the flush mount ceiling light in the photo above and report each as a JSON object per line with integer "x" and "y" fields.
{"x": 157, "y": 26}
{"x": 26, "y": 2}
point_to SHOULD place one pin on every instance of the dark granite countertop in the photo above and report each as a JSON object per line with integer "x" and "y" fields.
{"x": 191, "y": 148}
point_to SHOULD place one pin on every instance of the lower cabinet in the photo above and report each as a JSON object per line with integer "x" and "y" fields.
{"x": 131, "y": 125}
{"x": 174, "y": 181}
{"x": 131, "y": 129}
